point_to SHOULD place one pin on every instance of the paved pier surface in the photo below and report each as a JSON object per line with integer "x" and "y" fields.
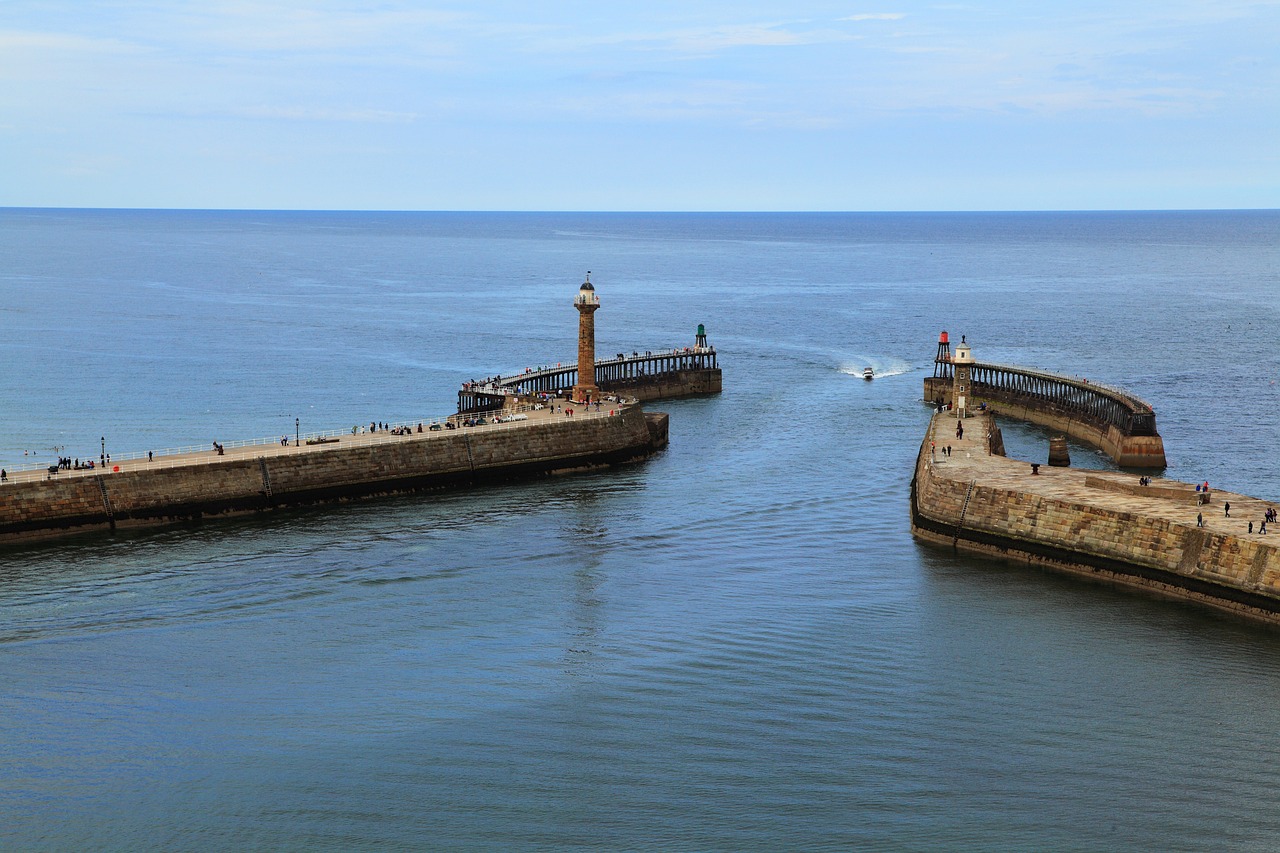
{"x": 270, "y": 449}
{"x": 1170, "y": 500}
{"x": 262, "y": 477}
{"x": 1101, "y": 524}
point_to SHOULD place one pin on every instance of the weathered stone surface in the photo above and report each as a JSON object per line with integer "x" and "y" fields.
{"x": 669, "y": 386}
{"x": 1059, "y": 455}
{"x": 1128, "y": 451}
{"x": 251, "y": 483}
{"x": 1101, "y": 524}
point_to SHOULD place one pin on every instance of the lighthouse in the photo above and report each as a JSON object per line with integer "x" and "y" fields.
{"x": 586, "y": 302}
{"x": 963, "y": 361}
{"x": 942, "y": 361}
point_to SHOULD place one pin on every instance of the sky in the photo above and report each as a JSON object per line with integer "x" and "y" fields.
{"x": 664, "y": 105}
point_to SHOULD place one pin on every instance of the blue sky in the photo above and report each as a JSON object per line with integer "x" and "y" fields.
{"x": 655, "y": 105}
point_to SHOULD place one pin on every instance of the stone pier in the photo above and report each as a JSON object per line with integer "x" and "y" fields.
{"x": 259, "y": 478}
{"x": 1166, "y": 537}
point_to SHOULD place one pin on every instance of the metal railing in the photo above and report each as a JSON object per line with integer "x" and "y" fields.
{"x": 608, "y": 371}
{"x": 199, "y": 454}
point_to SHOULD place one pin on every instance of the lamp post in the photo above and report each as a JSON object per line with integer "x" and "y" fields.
{"x": 297, "y": 432}
{"x": 103, "y": 458}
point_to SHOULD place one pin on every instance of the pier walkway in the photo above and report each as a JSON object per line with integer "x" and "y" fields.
{"x": 624, "y": 374}
{"x": 311, "y": 442}
{"x": 1071, "y": 396}
{"x": 1109, "y": 418}
{"x": 1114, "y": 491}
{"x": 1163, "y": 536}
{"x": 613, "y": 372}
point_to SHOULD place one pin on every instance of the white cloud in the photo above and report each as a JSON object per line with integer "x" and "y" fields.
{"x": 310, "y": 114}
{"x": 272, "y": 27}
{"x": 697, "y": 41}
{"x": 25, "y": 53}
{"x": 37, "y": 40}
{"x": 875, "y": 16}
{"x": 744, "y": 35}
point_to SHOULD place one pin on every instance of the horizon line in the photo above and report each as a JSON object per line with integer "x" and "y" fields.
{"x": 654, "y": 211}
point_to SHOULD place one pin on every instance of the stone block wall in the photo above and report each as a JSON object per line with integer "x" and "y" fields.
{"x": 1143, "y": 451}
{"x": 230, "y": 485}
{"x": 1178, "y": 558}
{"x": 669, "y": 386}
{"x": 54, "y": 503}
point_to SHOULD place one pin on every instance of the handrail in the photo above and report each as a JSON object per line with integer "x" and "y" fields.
{"x": 1118, "y": 394}
{"x": 167, "y": 458}
{"x": 1081, "y": 382}
{"x": 500, "y": 384}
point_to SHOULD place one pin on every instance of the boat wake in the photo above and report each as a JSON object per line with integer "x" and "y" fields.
{"x": 881, "y": 367}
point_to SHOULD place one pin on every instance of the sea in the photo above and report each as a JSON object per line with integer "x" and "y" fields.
{"x": 736, "y": 645}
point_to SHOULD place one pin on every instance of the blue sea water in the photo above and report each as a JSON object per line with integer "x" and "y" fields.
{"x": 736, "y": 645}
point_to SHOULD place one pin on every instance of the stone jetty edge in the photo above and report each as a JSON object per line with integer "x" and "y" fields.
{"x": 1091, "y": 532}
{"x": 55, "y": 507}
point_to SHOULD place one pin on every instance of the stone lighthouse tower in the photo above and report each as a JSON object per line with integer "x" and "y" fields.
{"x": 960, "y": 390}
{"x": 586, "y": 302}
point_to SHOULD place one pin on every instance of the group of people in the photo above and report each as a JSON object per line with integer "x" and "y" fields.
{"x": 66, "y": 463}
{"x": 485, "y": 386}
{"x": 217, "y": 448}
{"x": 1268, "y": 516}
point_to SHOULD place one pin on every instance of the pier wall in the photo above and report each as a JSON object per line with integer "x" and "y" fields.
{"x": 1084, "y": 536}
{"x": 667, "y": 386}
{"x": 82, "y": 502}
{"x": 664, "y": 375}
{"x": 1128, "y": 451}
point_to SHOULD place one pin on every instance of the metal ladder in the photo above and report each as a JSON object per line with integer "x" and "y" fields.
{"x": 266, "y": 478}
{"x": 963, "y": 509}
{"x": 106, "y": 502}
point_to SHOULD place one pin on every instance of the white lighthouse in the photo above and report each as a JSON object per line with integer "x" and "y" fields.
{"x": 960, "y": 390}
